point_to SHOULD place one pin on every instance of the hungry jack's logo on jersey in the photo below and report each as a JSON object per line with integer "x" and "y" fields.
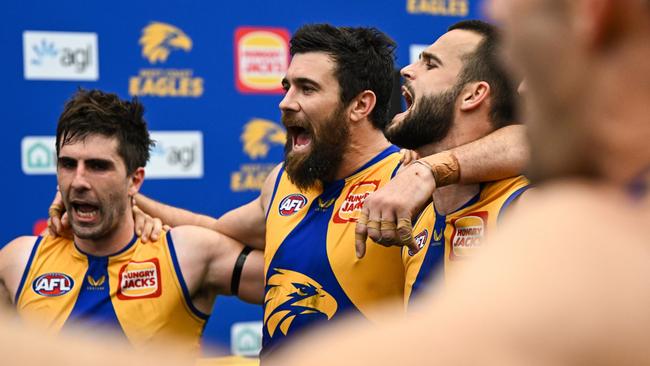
{"x": 158, "y": 41}
{"x": 292, "y": 204}
{"x": 53, "y": 284}
{"x": 139, "y": 280}
{"x": 291, "y": 294}
{"x": 351, "y": 206}
{"x": 258, "y": 138}
{"x": 469, "y": 231}
{"x": 261, "y": 59}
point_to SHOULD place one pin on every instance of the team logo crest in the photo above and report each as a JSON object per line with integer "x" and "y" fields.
{"x": 159, "y": 39}
{"x": 53, "y": 284}
{"x": 292, "y": 204}
{"x": 351, "y": 206}
{"x": 139, "y": 280}
{"x": 291, "y": 295}
{"x": 258, "y": 136}
{"x": 420, "y": 240}
{"x": 468, "y": 233}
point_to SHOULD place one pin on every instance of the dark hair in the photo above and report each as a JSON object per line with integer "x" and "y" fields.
{"x": 91, "y": 112}
{"x": 364, "y": 60}
{"x": 483, "y": 65}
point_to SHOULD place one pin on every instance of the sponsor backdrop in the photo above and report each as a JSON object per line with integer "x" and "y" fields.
{"x": 209, "y": 74}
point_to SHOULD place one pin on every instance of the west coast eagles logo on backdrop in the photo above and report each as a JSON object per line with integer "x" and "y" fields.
{"x": 455, "y": 8}
{"x": 258, "y": 138}
{"x": 292, "y": 295}
{"x": 159, "y": 41}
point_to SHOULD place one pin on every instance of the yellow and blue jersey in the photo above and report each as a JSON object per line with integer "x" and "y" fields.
{"x": 312, "y": 273}
{"x": 138, "y": 292}
{"x": 446, "y": 241}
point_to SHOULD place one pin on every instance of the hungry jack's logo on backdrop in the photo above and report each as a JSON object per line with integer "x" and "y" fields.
{"x": 261, "y": 59}
{"x": 159, "y": 42}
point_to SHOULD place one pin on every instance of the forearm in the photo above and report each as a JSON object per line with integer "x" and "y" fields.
{"x": 499, "y": 155}
{"x": 173, "y": 216}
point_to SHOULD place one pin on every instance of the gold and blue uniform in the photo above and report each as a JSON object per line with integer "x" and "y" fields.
{"x": 446, "y": 241}
{"x": 311, "y": 270}
{"x": 138, "y": 292}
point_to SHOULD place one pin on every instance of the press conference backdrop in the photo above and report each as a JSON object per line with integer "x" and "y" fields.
{"x": 209, "y": 75}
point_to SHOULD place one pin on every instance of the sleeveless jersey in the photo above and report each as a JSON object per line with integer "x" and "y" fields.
{"x": 446, "y": 241}
{"x": 138, "y": 292}
{"x": 311, "y": 270}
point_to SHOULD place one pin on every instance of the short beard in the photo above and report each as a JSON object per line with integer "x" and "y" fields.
{"x": 322, "y": 162}
{"x": 110, "y": 220}
{"x": 427, "y": 123}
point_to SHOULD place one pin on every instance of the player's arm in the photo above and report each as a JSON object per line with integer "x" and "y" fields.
{"x": 13, "y": 259}
{"x": 501, "y": 154}
{"x": 218, "y": 265}
{"x": 245, "y": 223}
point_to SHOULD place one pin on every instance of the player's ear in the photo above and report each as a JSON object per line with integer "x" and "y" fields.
{"x": 135, "y": 181}
{"x": 473, "y": 95}
{"x": 362, "y": 105}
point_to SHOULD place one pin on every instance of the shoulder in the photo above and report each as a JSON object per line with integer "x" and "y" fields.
{"x": 269, "y": 186}
{"x": 17, "y": 247}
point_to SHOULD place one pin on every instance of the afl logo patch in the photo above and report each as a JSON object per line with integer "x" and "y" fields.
{"x": 292, "y": 204}
{"x": 53, "y": 284}
{"x": 420, "y": 240}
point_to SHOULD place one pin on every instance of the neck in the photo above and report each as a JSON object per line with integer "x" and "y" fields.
{"x": 620, "y": 125}
{"x": 468, "y": 127}
{"x": 450, "y": 198}
{"x": 365, "y": 143}
{"x": 110, "y": 244}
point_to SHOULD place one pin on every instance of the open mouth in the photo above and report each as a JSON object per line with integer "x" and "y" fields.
{"x": 408, "y": 96}
{"x": 300, "y": 137}
{"x": 84, "y": 211}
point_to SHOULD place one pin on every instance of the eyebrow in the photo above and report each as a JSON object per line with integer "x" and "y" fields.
{"x": 301, "y": 81}
{"x": 430, "y": 56}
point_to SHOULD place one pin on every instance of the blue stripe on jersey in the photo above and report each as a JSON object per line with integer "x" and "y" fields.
{"x": 275, "y": 189}
{"x": 434, "y": 257}
{"x": 181, "y": 279}
{"x": 27, "y": 267}
{"x": 94, "y": 308}
{"x": 387, "y": 151}
{"x": 304, "y": 251}
{"x": 511, "y": 199}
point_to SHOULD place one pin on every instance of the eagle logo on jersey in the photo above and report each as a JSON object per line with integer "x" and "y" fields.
{"x": 291, "y": 294}
{"x": 259, "y": 135}
{"x": 159, "y": 39}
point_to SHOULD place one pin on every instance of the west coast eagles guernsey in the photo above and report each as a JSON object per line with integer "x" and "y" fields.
{"x": 311, "y": 270}
{"x": 138, "y": 292}
{"x": 446, "y": 241}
